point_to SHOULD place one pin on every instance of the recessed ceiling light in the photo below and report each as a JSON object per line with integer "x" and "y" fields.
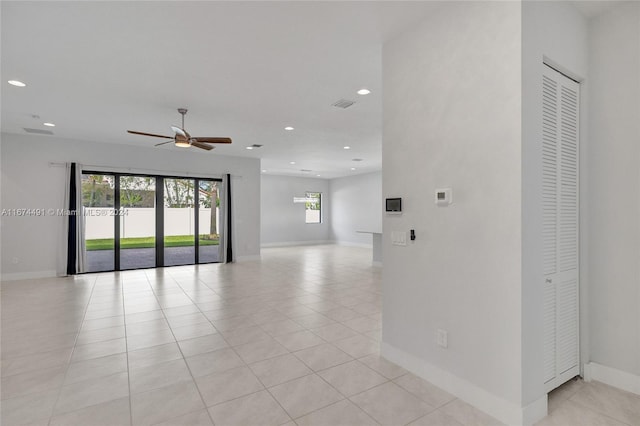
{"x": 288, "y": 128}
{"x": 346, "y": 147}
{"x": 292, "y": 162}
{"x": 249, "y": 147}
{"x": 16, "y": 83}
{"x": 364, "y": 91}
{"x": 318, "y": 175}
{"x": 353, "y": 168}
{"x": 49, "y": 124}
{"x": 264, "y": 171}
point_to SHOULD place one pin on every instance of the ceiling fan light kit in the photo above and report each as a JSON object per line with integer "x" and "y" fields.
{"x": 182, "y": 138}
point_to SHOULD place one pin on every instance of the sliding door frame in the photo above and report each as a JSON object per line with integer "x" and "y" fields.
{"x": 159, "y": 221}
{"x": 159, "y": 214}
{"x": 116, "y": 223}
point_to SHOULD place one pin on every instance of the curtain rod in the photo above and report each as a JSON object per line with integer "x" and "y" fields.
{"x": 142, "y": 171}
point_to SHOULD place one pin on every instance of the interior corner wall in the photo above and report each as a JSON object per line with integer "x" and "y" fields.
{"x": 356, "y": 205}
{"x": 30, "y": 244}
{"x": 452, "y": 118}
{"x": 557, "y": 32}
{"x": 282, "y": 222}
{"x": 614, "y": 190}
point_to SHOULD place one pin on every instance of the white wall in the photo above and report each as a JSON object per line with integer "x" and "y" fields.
{"x": 452, "y": 118}
{"x": 282, "y": 220}
{"x": 356, "y": 205}
{"x": 28, "y": 181}
{"x": 557, "y": 31}
{"x": 614, "y": 190}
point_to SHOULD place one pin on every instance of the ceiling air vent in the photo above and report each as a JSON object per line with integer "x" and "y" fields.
{"x": 305, "y": 170}
{"x": 38, "y": 131}
{"x": 357, "y": 159}
{"x": 343, "y": 103}
{"x": 255, "y": 145}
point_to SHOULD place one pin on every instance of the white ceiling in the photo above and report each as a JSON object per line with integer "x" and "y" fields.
{"x": 244, "y": 69}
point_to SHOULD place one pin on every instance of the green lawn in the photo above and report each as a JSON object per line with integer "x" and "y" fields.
{"x": 147, "y": 242}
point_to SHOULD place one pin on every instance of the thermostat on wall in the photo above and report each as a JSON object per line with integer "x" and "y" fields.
{"x": 444, "y": 196}
{"x": 393, "y": 205}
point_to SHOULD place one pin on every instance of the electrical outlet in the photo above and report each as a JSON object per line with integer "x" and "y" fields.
{"x": 443, "y": 338}
{"x": 15, "y": 260}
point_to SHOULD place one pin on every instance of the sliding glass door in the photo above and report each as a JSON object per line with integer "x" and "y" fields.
{"x": 138, "y": 221}
{"x": 208, "y": 220}
{"x": 98, "y": 197}
{"x": 179, "y": 222}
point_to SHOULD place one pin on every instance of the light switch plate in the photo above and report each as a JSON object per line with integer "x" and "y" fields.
{"x": 399, "y": 238}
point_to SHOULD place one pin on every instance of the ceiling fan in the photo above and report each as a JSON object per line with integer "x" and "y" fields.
{"x": 182, "y": 138}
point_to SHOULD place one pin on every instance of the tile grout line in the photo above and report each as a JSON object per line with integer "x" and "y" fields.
{"x": 184, "y": 359}
{"x": 598, "y": 412}
{"x": 126, "y": 350}
{"x": 346, "y": 397}
{"x": 93, "y": 285}
{"x": 271, "y": 293}
{"x": 247, "y": 365}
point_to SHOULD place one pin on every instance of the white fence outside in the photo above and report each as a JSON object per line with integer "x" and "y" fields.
{"x": 141, "y": 222}
{"x": 312, "y": 216}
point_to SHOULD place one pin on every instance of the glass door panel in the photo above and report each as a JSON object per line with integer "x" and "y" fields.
{"x": 98, "y": 214}
{"x": 137, "y": 222}
{"x": 208, "y": 221}
{"x": 179, "y": 222}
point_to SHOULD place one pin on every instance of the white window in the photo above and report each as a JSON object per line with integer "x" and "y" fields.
{"x": 313, "y": 207}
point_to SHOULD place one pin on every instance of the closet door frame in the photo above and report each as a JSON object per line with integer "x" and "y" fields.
{"x": 560, "y": 143}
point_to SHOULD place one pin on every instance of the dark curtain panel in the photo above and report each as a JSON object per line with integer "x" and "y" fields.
{"x": 228, "y": 224}
{"x": 72, "y": 255}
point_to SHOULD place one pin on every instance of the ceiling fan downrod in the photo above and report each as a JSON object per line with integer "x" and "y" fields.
{"x": 182, "y": 111}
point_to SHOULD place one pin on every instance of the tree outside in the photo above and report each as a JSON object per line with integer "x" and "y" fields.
{"x": 97, "y": 190}
{"x": 208, "y": 192}
{"x": 140, "y": 192}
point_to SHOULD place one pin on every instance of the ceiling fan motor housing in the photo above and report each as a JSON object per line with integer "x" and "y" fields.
{"x": 183, "y": 139}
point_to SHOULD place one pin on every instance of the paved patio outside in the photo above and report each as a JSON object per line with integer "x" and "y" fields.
{"x": 102, "y": 260}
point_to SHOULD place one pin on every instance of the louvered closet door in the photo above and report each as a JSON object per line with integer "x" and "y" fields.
{"x": 560, "y": 118}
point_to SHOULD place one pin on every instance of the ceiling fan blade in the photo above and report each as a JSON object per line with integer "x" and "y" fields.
{"x": 212, "y": 140}
{"x": 133, "y": 132}
{"x": 164, "y": 143}
{"x": 201, "y": 145}
{"x": 178, "y": 131}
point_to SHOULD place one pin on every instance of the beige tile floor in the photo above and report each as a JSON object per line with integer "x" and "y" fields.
{"x": 290, "y": 339}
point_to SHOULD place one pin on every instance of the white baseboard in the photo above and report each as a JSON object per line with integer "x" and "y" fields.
{"x": 352, "y": 244}
{"x": 536, "y": 411}
{"x": 248, "y": 258}
{"x": 295, "y": 243}
{"x": 503, "y": 410}
{"x": 612, "y": 377}
{"x": 18, "y": 276}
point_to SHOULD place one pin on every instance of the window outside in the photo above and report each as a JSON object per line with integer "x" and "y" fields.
{"x": 313, "y": 207}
